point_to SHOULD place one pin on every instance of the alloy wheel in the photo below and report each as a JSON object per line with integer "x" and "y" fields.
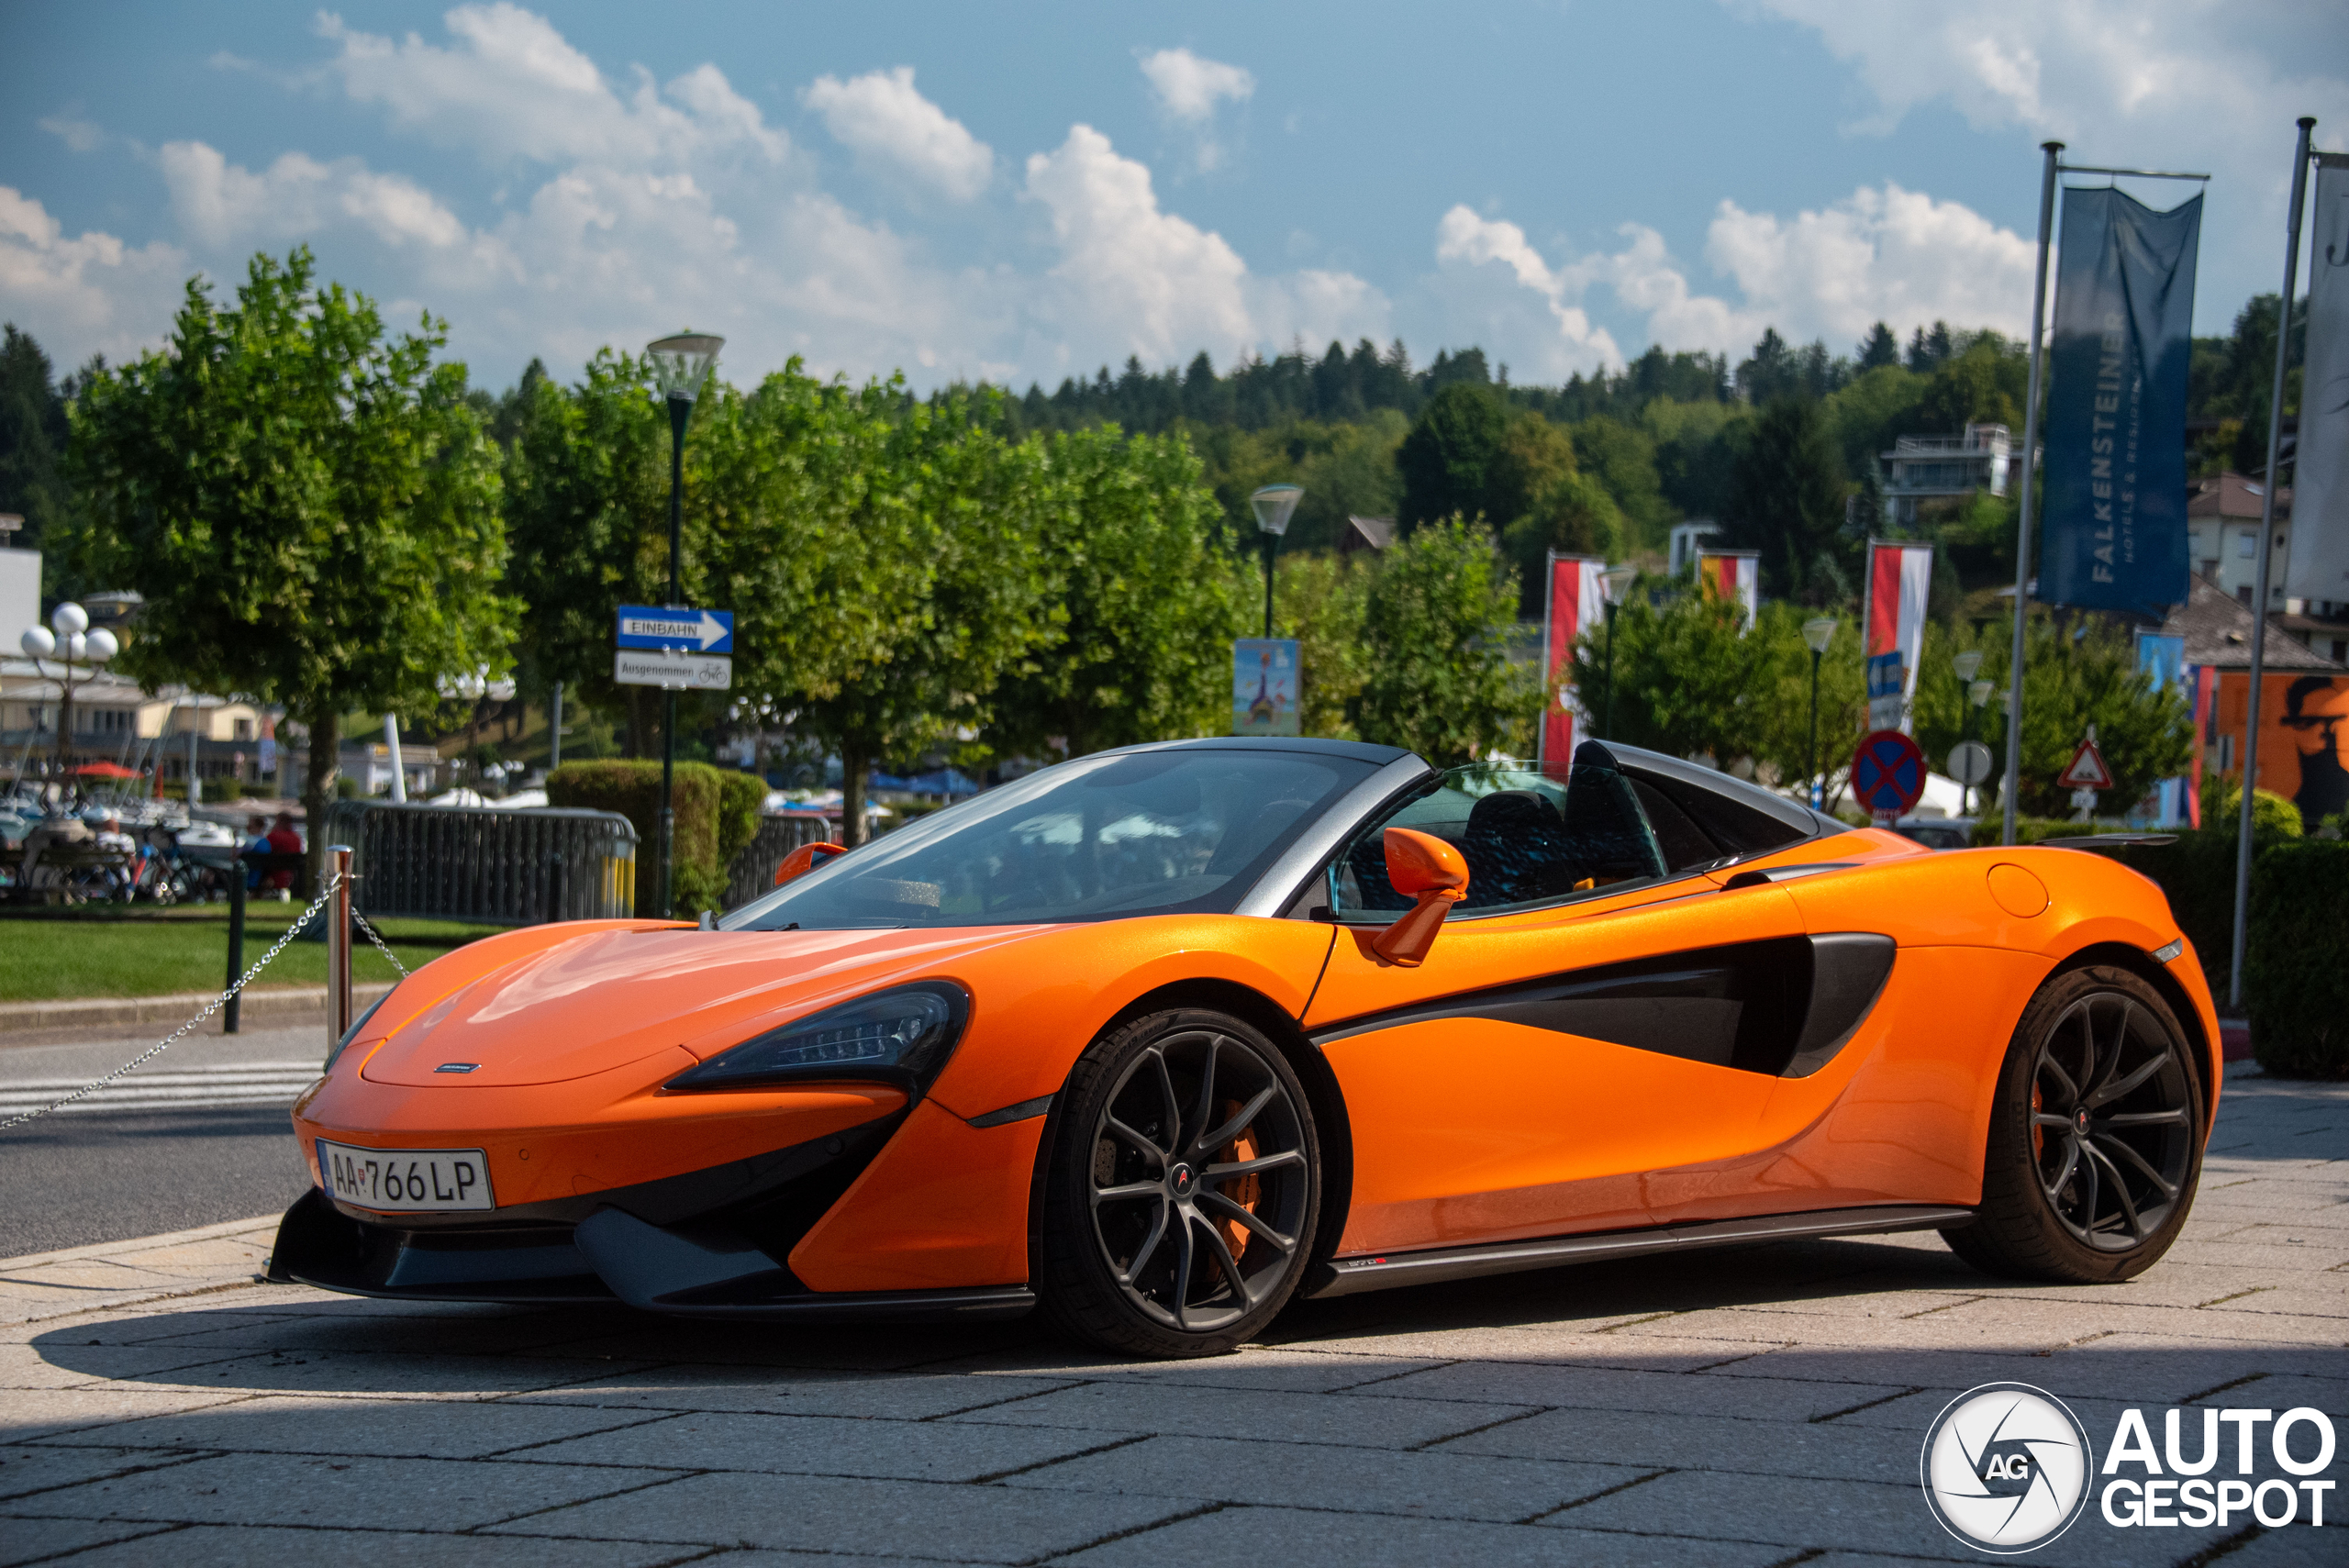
{"x": 1199, "y": 1182}
{"x": 2111, "y": 1135}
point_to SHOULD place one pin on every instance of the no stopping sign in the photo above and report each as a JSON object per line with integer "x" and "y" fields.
{"x": 1889, "y": 773}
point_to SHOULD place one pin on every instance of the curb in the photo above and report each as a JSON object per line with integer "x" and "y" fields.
{"x": 109, "y": 1251}
{"x": 49, "y": 1023}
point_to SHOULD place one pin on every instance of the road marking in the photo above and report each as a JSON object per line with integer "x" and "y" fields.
{"x": 230, "y": 1083}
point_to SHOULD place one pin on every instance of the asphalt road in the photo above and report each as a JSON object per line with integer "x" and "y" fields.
{"x": 197, "y": 1136}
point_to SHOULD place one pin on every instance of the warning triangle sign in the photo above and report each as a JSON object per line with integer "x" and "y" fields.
{"x": 2087, "y": 770}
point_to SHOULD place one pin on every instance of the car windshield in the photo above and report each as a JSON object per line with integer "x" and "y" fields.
{"x": 1171, "y": 832}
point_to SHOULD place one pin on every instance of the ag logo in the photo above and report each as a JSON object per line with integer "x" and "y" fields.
{"x": 2006, "y": 1467}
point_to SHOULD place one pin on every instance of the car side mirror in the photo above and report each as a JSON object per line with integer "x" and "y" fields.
{"x": 1432, "y": 871}
{"x": 804, "y": 858}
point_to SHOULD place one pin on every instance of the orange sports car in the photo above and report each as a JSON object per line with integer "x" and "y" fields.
{"x": 1159, "y": 1038}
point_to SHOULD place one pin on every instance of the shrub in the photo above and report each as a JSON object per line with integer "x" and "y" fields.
{"x": 633, "y": 789}
{"x": 741, "y": 795}
{"x": 224, "y": 789}
{"x": 2295, "y": 975}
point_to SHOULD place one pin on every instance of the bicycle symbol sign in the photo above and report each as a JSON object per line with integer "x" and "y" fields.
{"x": 1889, "y": 773}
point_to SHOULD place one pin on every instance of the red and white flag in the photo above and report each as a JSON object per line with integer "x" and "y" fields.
{"x": 1892, "y": 622}
{"x": 1734, "y": 575}
{"x": 1575, "y": 602}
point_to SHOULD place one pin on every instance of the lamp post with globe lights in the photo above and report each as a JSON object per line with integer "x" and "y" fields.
{"x": 1816, "y": 635}
{"x": 1968, "y": 664}
{"x": 69, "y": 640}
{"x": 1274, "y": 506}
{"x": 680, "y": 364}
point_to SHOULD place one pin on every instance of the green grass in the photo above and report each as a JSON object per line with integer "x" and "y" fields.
{"x": 73, "y": 953}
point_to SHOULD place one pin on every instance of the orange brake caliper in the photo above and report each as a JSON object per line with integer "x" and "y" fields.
{"x": 1245, "y": 1190}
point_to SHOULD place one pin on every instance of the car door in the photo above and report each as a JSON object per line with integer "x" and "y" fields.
{"x": 1593, "y": 1017}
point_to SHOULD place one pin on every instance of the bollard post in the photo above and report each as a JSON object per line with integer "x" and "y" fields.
{"x": 236, "y": 941}
{"x": 554, "y": 888}
{"x": 338, "y": 915}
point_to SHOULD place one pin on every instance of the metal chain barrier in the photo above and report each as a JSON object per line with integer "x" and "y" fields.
{"x": 209, "y": 1008}
{"x": 378, "y": 941}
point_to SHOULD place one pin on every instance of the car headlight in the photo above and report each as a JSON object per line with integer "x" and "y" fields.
{"x": 902, "y": 1036}
{"x": 353, "y": 1032}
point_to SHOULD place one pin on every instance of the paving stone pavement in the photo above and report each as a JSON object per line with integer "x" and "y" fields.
{"x": 1758, "y": 1407}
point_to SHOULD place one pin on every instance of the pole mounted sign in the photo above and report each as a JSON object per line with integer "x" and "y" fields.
{"x": 677, "y": 626}
{"x": 2087, "y": 769}
{"x": 672, "y": 669}
{"x": 1889, "y": 773}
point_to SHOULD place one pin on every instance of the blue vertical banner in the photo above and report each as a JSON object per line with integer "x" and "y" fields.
{"x": 2115, "y": 503}
{"x": 2162, "y": 661}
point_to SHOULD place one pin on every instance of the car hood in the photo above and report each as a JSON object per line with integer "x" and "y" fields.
{"x": 613, "y": 995}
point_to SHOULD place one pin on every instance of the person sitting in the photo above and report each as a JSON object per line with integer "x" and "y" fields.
{"x": 284, "y": 839}
{"x": 113, "y": 839}
{"x": 256, "y": 843}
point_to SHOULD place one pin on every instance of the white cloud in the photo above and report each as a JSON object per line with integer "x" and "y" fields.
{"x": 1467, "y": 244}
{"x": 624, "y": 216}
{"x": 86, "y": 293}
{"x": 1189, "y": 87}
{"x": 2192, "y": 84}
{"x": 1885, "y": 254}
{"x": 515, "y": 88}
{"x": 883, "y": 116}
{"x": 76, "y": 133}
{"x": 1166, "y": 286}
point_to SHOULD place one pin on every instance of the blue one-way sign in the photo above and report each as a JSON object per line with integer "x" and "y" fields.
{"x": 696, "y": 631}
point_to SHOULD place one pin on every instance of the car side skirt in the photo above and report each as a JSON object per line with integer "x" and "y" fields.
{"x": 1347, "y": 1276}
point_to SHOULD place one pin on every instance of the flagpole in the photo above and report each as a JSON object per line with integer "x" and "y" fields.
{"x": 2012, "y": 784}
{"x": 2266, "y": 555}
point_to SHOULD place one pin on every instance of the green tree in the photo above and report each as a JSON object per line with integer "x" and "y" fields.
{"x": 32, "y": 452}
{"x": 1872, "y": 411}
{"x": 1448, "y": 459}
{"x": 1878, "y": 349}
{"x": 1323, "y": 601}
{"x": 1984, "y": 384}
{"x": 586, "y": 508}
{"x": 309, "y": 507}
{"x": 1787, "y": 502}
{"x": 2077, "y": 673}
{"x": 1437, "y": 620}
{"x": 1151, "y": 603}
{"x": 1534, "y": 457}
{"x": 1623, "y": 459}
{"x": 929, "y": 584}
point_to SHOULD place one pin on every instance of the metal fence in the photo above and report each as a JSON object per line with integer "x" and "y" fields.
{"x": 504, "y": 868}
{"x": 753, "y": 871}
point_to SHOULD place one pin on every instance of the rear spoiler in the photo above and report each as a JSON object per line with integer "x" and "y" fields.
{"x": 2106, "y": 841}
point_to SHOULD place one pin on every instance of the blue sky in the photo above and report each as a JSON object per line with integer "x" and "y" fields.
{"x": 1035, "y": 192}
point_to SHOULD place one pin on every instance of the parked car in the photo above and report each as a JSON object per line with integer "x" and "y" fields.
{"x": 1159, "y": 1038}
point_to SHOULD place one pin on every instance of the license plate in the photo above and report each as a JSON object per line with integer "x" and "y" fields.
{"x": 406, "y": 1180}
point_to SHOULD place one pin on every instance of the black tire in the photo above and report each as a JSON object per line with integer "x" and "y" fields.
{"x": 1181, "y": 1188}
{"x": 2095, "y": 1136}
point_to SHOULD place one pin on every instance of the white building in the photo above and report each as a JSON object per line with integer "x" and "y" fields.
{"x": 1923, "y": 468}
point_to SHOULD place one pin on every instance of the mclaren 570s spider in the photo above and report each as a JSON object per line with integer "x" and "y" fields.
{"x": 1159, "y": 1038}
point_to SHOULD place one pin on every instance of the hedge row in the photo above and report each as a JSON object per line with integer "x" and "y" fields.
{"x": 2296, "y": 976}
{"x": 717, "y": 814}
{"x": 2296, "y": 972}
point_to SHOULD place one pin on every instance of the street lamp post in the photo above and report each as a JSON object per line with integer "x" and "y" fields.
{"x": 680, "y": 364}
{"x": 1816, "y": 635}
{"x": 1967, "y": 664}
{"x": 1274, "y": 505}
{"x": 1613, "y": 584}
{"x": 71, "y": 639}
